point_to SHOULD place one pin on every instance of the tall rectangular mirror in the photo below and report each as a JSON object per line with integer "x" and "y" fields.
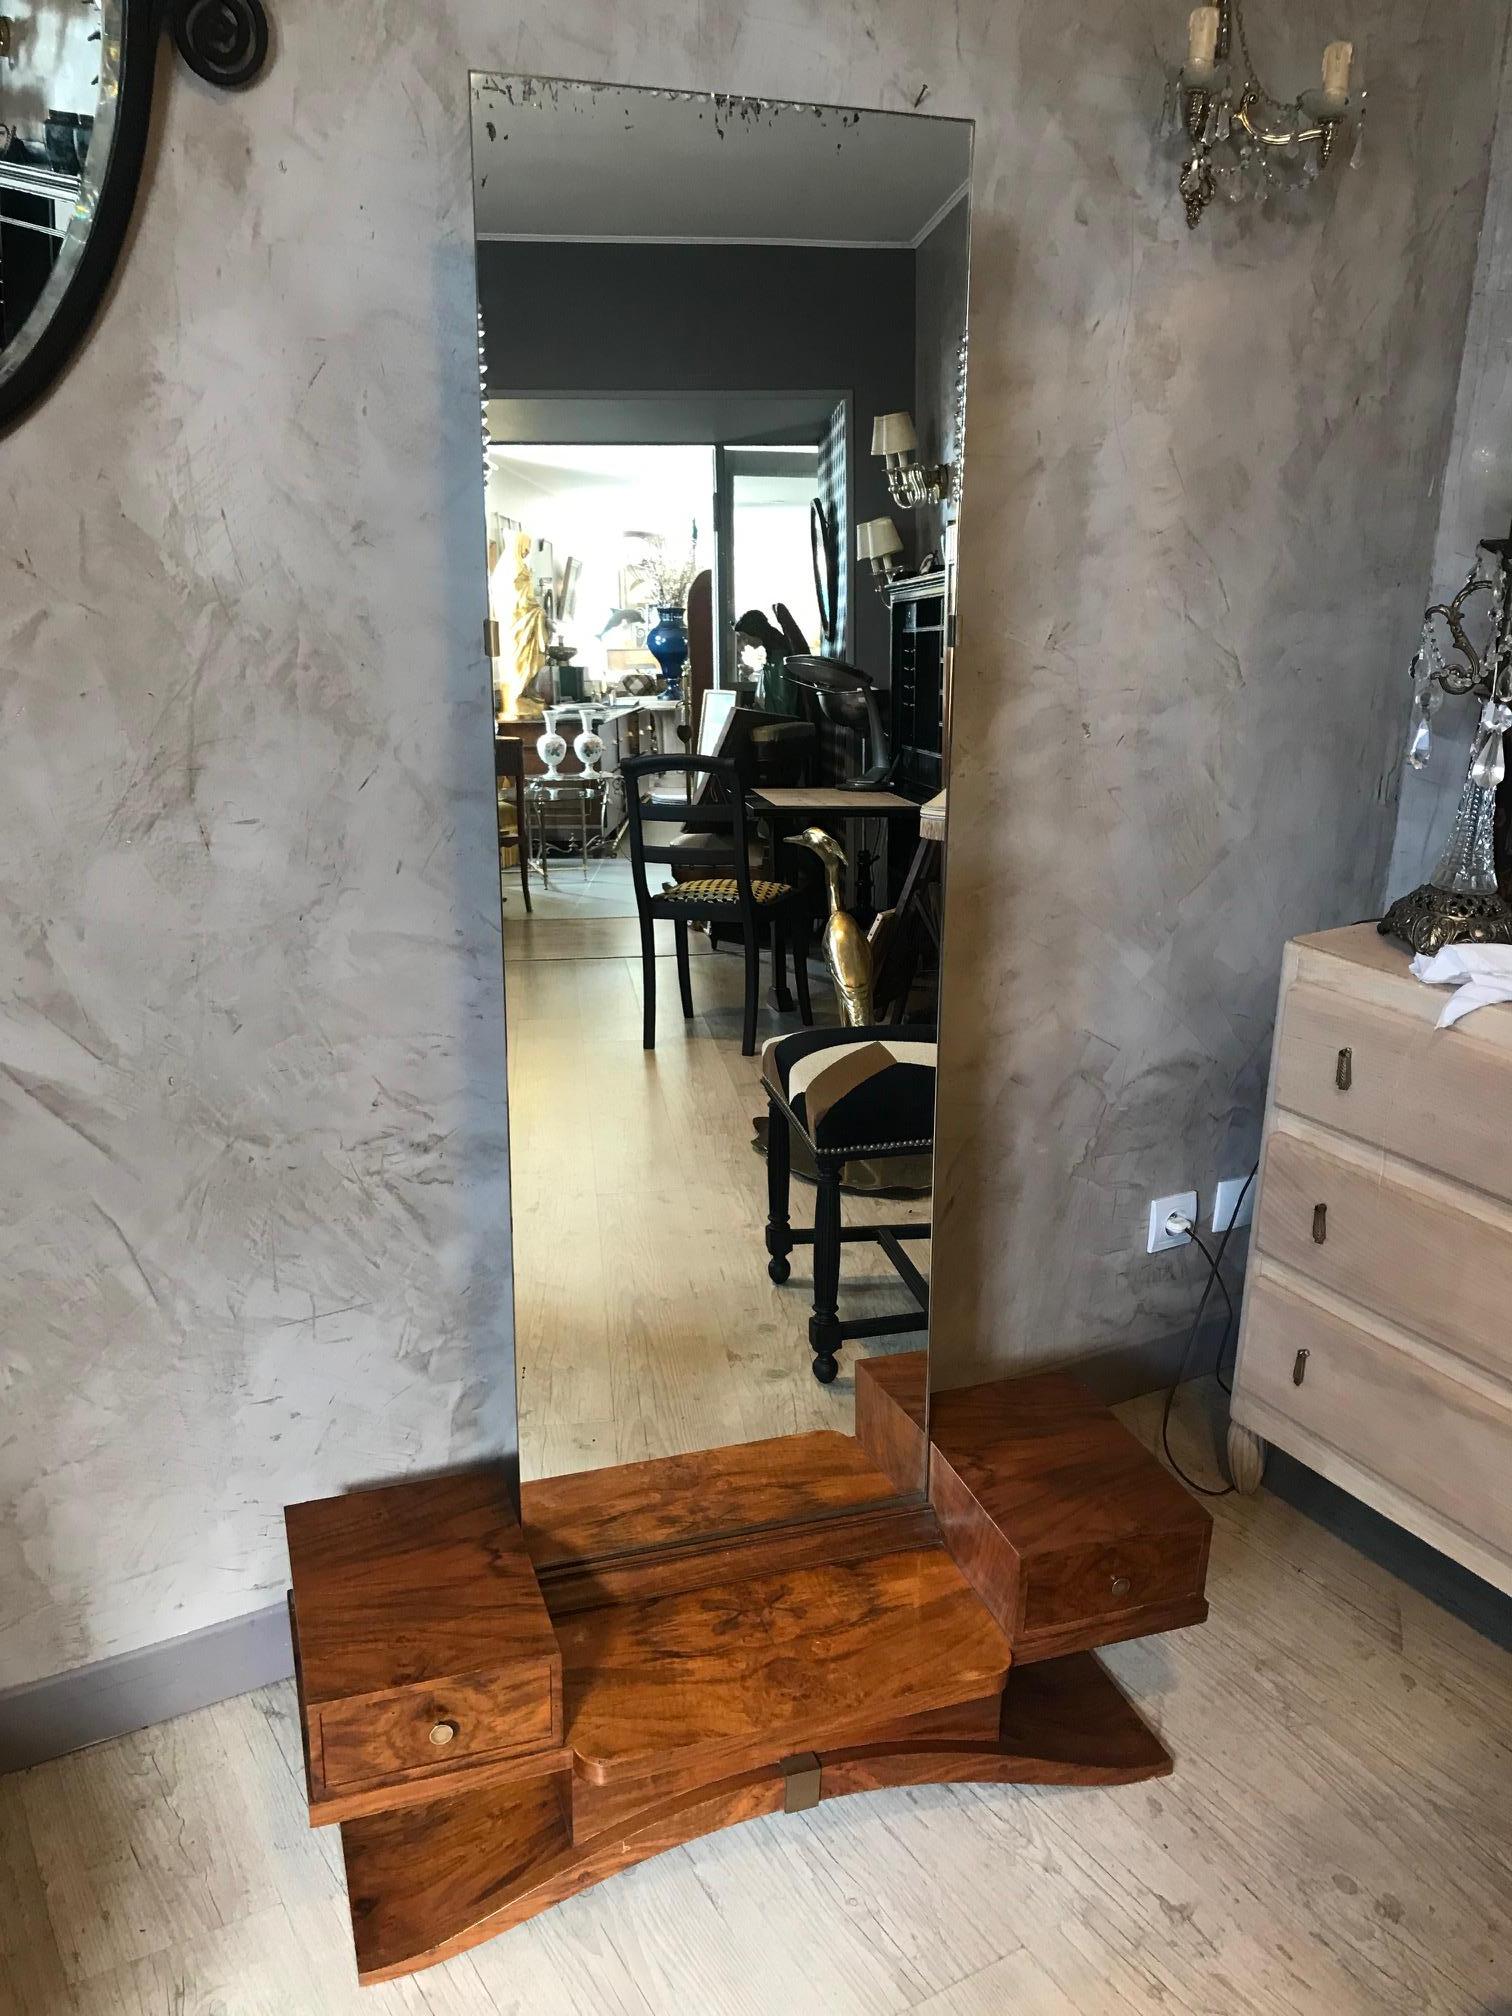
{"x": 723, "y": 346}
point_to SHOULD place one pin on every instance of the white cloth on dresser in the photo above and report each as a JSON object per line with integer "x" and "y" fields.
{"x": 1479, "y": 975}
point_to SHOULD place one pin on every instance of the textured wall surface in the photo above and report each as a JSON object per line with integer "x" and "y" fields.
{"x": 1200, "y": 502}
{"x": 1477, "y": 501}
{"x": 253, "y": 1224}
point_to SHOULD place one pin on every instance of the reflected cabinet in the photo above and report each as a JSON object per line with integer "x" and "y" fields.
{"x": 743, "y": 1558}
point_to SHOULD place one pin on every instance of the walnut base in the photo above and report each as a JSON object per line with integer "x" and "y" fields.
{"x": 501, "y": 1712}
{"x": 428, "y": 1882}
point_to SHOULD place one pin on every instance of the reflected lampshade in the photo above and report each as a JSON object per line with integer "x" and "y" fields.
{"x": 878, "y": 540}
{"x": 893, "y": 434}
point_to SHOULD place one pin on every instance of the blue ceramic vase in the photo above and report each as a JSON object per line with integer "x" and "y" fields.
{"x": 668, "y": 645}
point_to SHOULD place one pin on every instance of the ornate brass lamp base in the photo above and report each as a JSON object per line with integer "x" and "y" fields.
{"x": 1430, "y": 918}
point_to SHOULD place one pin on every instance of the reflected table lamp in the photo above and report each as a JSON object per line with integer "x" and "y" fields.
{"x": 878, "y": 540}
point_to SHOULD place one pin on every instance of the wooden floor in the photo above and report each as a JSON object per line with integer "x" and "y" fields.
{"x": 645, "y": 1322}
{"x": 1337, "y": 1837}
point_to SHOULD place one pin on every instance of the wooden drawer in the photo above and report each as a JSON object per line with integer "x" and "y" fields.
{"x": 1099, "y": 1585}
{"x": 476, "y": 1715}
{"x": 1445, "y": 1442}
{"x": 1435, "y": 1259}
{"x": 1442, "y": 1097}
{"x": 1069, "y": 1530}
{"x": 416, "y": 1610}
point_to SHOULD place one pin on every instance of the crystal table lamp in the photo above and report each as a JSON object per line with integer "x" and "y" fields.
{"x": 1461, "y": 903}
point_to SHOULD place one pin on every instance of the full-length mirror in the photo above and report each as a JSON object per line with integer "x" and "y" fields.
{"x": 724, "y": 351}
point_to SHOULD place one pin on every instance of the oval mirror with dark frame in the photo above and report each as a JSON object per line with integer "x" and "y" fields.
{"x": 76, "y": 88}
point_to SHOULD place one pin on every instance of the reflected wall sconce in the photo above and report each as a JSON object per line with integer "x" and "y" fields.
{"x": 878, "y": 540}
{"x": 1241, "y": 142}
{"x": 910, "y": 482}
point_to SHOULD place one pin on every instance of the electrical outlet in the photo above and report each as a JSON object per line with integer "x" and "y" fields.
{"x": 1184, "y": 1205}
{"x": 1226, "y": 1198}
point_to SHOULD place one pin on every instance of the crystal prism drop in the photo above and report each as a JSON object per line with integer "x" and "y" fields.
{"x": 1490, "y": 765}
{"x": 1420, "y": 736}
{"x": 1167, "y": 123}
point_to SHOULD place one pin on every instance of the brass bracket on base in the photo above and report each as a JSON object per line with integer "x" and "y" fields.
{"x": 1431, "y": 918}
{"x": 800, "y": 1775}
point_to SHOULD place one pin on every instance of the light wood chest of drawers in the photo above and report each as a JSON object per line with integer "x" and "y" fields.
{"x": 1376, "y": 1342}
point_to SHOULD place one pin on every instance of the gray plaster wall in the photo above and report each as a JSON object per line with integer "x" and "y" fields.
{"x": 1202, "y": 487}
{"x": 254, "y": 1210}
{"x": 1476, "y": 503}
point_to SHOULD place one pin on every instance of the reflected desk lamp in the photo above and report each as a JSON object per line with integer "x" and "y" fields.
{"x": 847, "y": 696}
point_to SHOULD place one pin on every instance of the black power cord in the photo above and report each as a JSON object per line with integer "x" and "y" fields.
{"x": 1215, "y": 1278}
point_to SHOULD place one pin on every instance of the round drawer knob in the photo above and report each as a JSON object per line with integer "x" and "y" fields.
{"x": 443, "y": 1732}
{"x": 1121, "y": 1585}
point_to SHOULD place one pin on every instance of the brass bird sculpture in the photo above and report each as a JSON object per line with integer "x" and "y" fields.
{"x": 846, "y": 951}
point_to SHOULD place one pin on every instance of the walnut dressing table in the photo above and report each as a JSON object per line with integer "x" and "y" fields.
{"x": 1376, "y": 1343}
{"x": 783, "y": 1590}
{"x": 501, "y": 1712}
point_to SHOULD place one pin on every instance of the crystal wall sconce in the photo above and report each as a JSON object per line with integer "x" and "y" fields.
{"x": 1241, "y": 142}
{"x": 910, "y": 482}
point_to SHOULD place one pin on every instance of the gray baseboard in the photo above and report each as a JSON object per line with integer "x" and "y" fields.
{"x": 68, "y": 1711}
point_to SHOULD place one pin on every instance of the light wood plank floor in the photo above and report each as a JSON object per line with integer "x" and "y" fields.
{"x": 1337, "y": 1838}
{"x": 645, "y": 1324}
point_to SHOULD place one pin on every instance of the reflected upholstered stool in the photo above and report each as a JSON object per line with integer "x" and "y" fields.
{"x": 852, "y": 1094}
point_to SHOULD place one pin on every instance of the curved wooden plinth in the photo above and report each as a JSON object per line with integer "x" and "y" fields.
{"x": 431, "y": 1881}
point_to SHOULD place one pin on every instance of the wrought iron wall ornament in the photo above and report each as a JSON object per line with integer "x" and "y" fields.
{"x": 223, "y": 41}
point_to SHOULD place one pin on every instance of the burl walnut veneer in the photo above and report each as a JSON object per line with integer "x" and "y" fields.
{"x": 501, "y": 1716}
{"x": 1061, "y": 1566}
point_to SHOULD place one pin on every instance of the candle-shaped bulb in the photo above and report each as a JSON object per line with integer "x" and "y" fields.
{"x": 1202, "y": 41}
{"x": 1338, "y": 58}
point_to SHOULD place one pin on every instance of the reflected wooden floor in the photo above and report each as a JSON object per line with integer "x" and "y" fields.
{"x": 645, "y": 1322}
{"x": 1335, "y": 1841}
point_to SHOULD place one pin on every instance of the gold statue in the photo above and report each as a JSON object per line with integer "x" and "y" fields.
{"x": 532, "y": 633}
{"x": 847, "y": 953}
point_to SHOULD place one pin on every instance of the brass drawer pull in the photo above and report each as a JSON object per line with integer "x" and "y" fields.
{"x": 443, "y": 1732}
{"x": 1344, "y": 1071}
{"x": 1299, "y": 1367}
{"x": 1121, "y": 1585}
{"x": 1320, "y": 1223}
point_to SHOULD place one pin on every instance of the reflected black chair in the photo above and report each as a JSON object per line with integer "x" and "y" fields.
{"x": 509, "y": 768}
{"x": 864, "y": 1093}
{"x": 711, "y": 837}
